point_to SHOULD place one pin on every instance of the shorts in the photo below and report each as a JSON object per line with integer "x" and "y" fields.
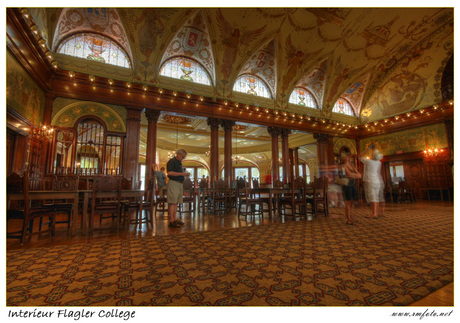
{"x": 175, "y": 192}
{"x": 374, "y": 192}
{"x": 350, "y": 192}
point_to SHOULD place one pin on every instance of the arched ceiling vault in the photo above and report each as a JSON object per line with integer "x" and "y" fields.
{"x": 384, "y": 61}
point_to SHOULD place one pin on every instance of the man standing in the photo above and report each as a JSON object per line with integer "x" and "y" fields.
{"x": 176, "y": 177}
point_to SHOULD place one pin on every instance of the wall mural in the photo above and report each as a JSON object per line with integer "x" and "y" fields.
{"x": 67, "y": 116}
{"x": 22, "y": 93}
{"x": 413, "y": 140}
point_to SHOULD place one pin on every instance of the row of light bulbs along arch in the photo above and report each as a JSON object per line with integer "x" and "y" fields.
{"x": 278, "y": 113}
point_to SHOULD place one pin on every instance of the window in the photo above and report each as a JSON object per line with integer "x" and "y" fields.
{"x": 303, "y": 97}
{"x": 94, "y": 47}
{"x": 96, "y": 151}
{"x": 185, "y": 69}
{"x": 252, "y": 85}
{"x": 342, "y": 106}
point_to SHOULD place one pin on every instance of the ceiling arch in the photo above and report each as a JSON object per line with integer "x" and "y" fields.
{"x": 365, "y": 55}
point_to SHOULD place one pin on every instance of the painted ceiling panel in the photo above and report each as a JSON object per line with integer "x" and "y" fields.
{"x": 328, "y": 50}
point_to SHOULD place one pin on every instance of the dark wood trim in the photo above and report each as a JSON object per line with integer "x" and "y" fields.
{"x": 23, "y": 45}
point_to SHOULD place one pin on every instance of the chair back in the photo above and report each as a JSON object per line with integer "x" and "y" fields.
{"x": 16, "y": 183}
{"x": 240, "y": 183}
{"x": 66, "y": 183}
{"x": 220, "y": 184}
{"x": 298, "y": 189}
{"x": 320, "y": 185}
{"x": 203, "y": 183}
{"x": 255, "y": 183}
{"x": 127, "y": 183}
{"x": 278, "y": 184}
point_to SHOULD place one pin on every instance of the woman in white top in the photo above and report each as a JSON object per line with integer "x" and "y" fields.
{"x": 373, "y": 181}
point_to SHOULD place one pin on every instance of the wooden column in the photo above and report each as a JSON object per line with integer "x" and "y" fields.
{"x": 295, "y": 157}
{"x": 151, "y": 149}
{"x": 213, "y": 123}
{"x": 228, "y": 171}
{"x": 131, "y": 144}
{"x": 285, "y": 155}
{"x": 274, "y": 133}
{"x": 325, "y": 152}
{"x": 47, "y": 156}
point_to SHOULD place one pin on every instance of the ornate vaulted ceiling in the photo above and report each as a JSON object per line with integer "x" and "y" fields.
{"x": 384, "y": 61}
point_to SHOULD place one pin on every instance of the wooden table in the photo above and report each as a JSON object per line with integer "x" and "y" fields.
{"x": 88, "y": 194}
{"x": 273, "y": 194}
{"x": 53, "y": 195}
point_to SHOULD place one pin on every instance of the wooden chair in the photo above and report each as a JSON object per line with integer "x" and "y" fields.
{"x": 161, "y": 201}
{"x": 295, "y": 200}
{"x": 63, "y": 183}
{"x": 320, "y": 202}
{"x": 205, "y": 196}
{"x": 188, "y": 197}
{"x": 220, "y": 196}
{"x": 107, "y": 205}
{"x": 252, "y": 202}
{"x": 21, "y": 210}
{"x": 405, "y": 192}
{"x": 134, "y": 205}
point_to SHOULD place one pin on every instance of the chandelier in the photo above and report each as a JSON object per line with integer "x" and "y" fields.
{"x": 43, "y": 131}
{"x": 429, "y": 152}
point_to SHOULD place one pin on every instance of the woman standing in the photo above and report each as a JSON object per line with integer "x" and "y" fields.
{"x": 373, "y": 181}
{"x": 350, "y": 191}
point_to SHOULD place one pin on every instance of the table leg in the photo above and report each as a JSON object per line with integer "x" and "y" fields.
{"x": 270, "y": 205}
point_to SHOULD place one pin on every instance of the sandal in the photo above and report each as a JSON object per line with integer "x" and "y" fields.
{"x": 179, "y": 222}
{"x": 349, "y": 222}
{"x": 173, "y": 224}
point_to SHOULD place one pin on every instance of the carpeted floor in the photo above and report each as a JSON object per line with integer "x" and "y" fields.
{"x": 393, "y": 260}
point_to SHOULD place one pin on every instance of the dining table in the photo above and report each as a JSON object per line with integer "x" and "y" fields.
{"x": 88, "y": 194}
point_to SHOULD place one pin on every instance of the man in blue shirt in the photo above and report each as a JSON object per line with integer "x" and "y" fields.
{"x": 176, "y": 177}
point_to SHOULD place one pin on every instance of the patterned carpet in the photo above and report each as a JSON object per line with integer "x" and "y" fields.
{"x": 393, "y": 260}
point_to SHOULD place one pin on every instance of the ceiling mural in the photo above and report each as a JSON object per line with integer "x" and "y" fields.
{"x": 105, "y": 21}
{"x": 385, "y": 61}
{"x": 263, "y": 64}
{"x": 355, "y": 93}
{"x": 193, "y": 41}
{"x": 315, "y": 81}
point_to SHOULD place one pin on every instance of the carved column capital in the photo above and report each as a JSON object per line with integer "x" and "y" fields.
{"x": 227, "y": 125}
{"x": 285, "y": 132}
{"x": 321, "y": 138}
{"x": 213, "y": 123}
{"x": 152, "y": 115}
{"x": 274, "y": 131}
